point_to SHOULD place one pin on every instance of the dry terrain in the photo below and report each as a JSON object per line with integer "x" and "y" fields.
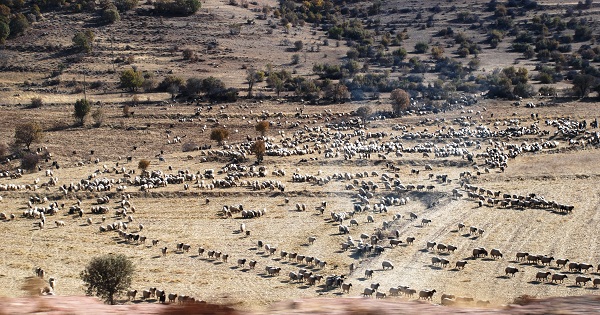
{"x": 548, "y": 158}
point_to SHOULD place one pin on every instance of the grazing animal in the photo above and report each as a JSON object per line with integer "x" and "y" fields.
{"x": 387, "y": 264}
{"x": 380, "y": 295}
{"x": 563, "y": 262}
{"x": 368, "y": 273}
{"x": 543, "y": 276}
{"x": 131, "y": 294}
{"x": 510, "y": 270}
{"x": 368, "y": 292}
{"x": 346, "y": 287}
{"x": 495, "y": 253}
{"x": 461, "y": 264}
{"x": 582, "y": 280}
{"x": 164, "y": 251}
{"x": 521, "y": 256}
{"x": 410, "y": 240}
{"x": 559, "y": 277}
{"x": 426, "y": 294}
{"x": 596, "y": 282}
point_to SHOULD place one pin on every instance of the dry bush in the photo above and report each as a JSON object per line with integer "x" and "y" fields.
{"x": 143, "y": 164}
{"x": 262, "y": 127}
{"x": 29, "y": 161}
{"x": 219, "y": 134}
{"x": 36, "y": 102}
{"x": 259, "y": 149}
{"x": 400, "y": 101}
{"x": 98, "y": 116}
{"x": 3, "y": 149}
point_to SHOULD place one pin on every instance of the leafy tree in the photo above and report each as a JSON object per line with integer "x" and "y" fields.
{"x": 400, "y": 101}
{"x": 364, "y": 112}
{"x": 131, "y": 79}
{"x": 168, "y": 82}
{"x": 4, "y": 32}
{"x": 27, "y": 133}
{"x": 583, "y": 84}
{"x": 81, "y": 109}
{"x": 259, "y": 149}
{"x": 18, "y": 25}
{"x": 276, "y": 82}
{"x": 107, "y": 276}
{"x": 83, "y": 41}
{"x": 262, "y": 127}
{"x": 219, "y": 135}
{"x": 251, "y": 78}
{"x": 337, "y": 92}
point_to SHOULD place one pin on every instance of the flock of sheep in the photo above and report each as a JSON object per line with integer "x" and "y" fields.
{"x": 366, "y": 229}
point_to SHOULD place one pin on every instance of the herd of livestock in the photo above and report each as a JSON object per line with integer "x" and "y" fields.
{"x": 374, "y": 193}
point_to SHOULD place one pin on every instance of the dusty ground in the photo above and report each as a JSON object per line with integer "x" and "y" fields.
{"x": 174, "y": 215}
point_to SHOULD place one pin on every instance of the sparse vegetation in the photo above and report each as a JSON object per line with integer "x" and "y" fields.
{"x": 259, "y": 149}
{"x": 219, "y": 135}
{"x": 143, "y": 165}
{"x": 262, "y": 127}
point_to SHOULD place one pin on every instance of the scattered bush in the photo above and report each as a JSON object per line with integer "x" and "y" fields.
{"x": 143, "y": 165}
{"x": 83, "y": 41}
{"x": 177, "y": 7}
{"x": 98, "y": 117}
{"x": 421, "y": 47}
{"x": 36, "y": 102}
{"x": 259, "y": 149}
{"x": 131, "y": 79}
{"x": 81, "y": 109}
{"x": 29, "y": 161}
{"x": 219, "y": 135}
{"x": 262, "y": 127}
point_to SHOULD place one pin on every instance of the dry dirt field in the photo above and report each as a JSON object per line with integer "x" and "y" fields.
{"x": 548, "y": 158}
{"x": 172, "y": 215}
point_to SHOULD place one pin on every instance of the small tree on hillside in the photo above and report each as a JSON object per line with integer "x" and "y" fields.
{"x": 83, "y": 41}
{"x": 219, "y": 135}
{"x": 108, "y": 276}
{"x": 259, "y": 149}
{"x": 400, "y": 101}
{"x": 583, "y": 84}
{"x": 28, "y": 133}
{"x": 364, "y": 112}
{"x": 131, "y": 79}
{"x": 81, "y": 109}
{"x": 262, "y": 127}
